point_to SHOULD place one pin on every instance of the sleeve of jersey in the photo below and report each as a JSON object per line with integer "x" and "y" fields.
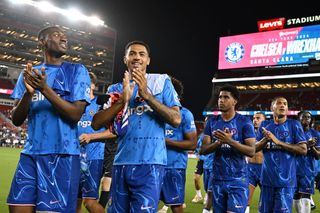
{"x": 207, "y": 129}
{"x": 188, "y": 123}
{"x": 259, "y": 134}
{"x": 115, "y": 88}
{"x": 248, "y": 130}
{"x": 300, "y": 137}
{"x": 170, "y": 95}
{"x": 81, "y": 87}
{"x": 316, "y": 134}
{"x": 19, "y": 88}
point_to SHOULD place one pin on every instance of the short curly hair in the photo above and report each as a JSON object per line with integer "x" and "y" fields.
{"x": 178, "y": 86}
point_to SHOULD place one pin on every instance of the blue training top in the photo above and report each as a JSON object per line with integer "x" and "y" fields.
{"x": 178, "y": 159}
{"x": 48, "y": 133}
{"x": 94, "y": 149}
{"x": 144, "y": 141}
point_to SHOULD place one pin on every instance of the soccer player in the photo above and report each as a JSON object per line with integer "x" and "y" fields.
{"x": 306, "y": 165}
{"x": 109, "y": 153}
{"x": 231, "y": 136}
{"x": 255, "y": 163}
{"x": 150, "y": 101}
{"x": 53, "y": 97}
{"x": 91, "y": 155}
{"x": 281, "y": 139}
{"x": 198, "y": 171}
{"x": 178, "y": 141}
{"x": 207, "y": 181}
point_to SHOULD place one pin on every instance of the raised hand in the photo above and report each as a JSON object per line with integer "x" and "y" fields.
{"x": 270, "y": 136}
{"x": 223, "y": 136}
{"x": 139, "y": 77}
{"x": 26, "y": 78}
{"x": 84, "y": 138}
{"x": 312, "y": 142}
{"x": 127, "y": 88}
{"x": 35, "y": 79}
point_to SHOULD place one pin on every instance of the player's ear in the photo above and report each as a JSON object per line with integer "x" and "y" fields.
{"x": 125, "y": 60}
{"x": 271, "y": 107}
{"x": 41, "y": 43}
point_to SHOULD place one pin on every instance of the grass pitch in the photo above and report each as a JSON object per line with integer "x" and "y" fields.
{"x": 10, "y": 156}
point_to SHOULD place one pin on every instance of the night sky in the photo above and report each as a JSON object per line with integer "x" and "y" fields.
{"x": 183, "y": 35}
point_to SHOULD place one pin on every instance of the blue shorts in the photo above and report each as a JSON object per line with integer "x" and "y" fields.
{"x": 48, "y": 182}
{"x": 90, "y": 180}
{"x": 254, "y": 174}
{"x": 172, "y": 190}
{"x": 305, "y": 184}
{"x": 135, "y": 188}
{"x": 276, "y": 199}
{"x": 207, "y": 179}
{"x": 230, "y": 196}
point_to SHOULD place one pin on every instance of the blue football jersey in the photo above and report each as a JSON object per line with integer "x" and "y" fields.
{"x": 94, "y": 150}
{"x": 178, "y": 159}
{"x": 144, "y": 141}
{"x": 48, "y": 133}
{"x": 199, "y": 143}
{"x": 208, "y": 161}
{"x": 279, "y": 166}
{"x": 228, "y": 163}
{"x": 306, "y": 164}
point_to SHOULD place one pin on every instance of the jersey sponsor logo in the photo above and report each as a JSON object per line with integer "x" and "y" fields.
{"x": 271, "y": 145}
{"x": 226, "y": 146}
{"x": 84, "y": 124}
{"x": 38, "y": 96}
{"x": 139, "y": 110}
{"x": 169, "y": 132}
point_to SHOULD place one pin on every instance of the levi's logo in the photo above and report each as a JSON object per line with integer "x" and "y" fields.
{"x": 271, "y": 24}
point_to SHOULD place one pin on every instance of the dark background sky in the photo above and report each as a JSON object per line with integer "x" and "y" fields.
{"x": 184, "y": 35}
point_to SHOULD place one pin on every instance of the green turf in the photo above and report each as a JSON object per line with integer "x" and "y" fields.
{"x": 10, "y": 156}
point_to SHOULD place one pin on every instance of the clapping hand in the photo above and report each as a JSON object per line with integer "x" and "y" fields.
{"x": 223, "y": 136}
{"x": 33, "y": 79}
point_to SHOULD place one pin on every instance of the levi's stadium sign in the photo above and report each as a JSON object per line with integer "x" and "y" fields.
{"x": 271, "y": 24}
{"x": 278, "y": 47}
{"x": 303, "y": 20}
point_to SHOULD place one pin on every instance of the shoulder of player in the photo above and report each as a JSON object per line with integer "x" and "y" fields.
{"x": 243, "y": 118}
{"x": 115, "y": 87}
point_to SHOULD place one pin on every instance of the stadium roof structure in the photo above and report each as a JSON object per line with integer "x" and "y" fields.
{"x": 90, "y": 44}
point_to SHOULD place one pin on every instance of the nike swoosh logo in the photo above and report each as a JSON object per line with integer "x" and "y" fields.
{"x": 237, "y": 206}
{"x": 54, "y": 201}
{"x": 145, "y": 207}
{"x": 60, "y": 82}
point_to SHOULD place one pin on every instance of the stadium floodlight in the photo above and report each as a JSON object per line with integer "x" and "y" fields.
{"x": 72, "y": 14}
{"x": 21, "y": 1}
{"x": 95, "y": 21}
{"x": 45, "y": 6}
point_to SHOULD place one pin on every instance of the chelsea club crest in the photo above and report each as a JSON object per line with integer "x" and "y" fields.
{"x": 234, "y": 52}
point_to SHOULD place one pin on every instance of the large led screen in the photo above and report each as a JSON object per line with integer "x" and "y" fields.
{"x": 279, "y": 47}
